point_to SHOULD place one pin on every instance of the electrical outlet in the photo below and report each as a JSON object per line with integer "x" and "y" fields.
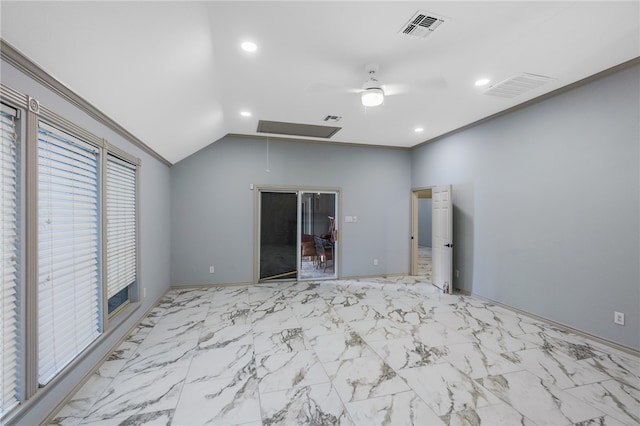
{"x": 457, "y": 273}
{"x": 212, "y": 269}
{"x": 618, "y": 318}
{"x": 375, "y": 262}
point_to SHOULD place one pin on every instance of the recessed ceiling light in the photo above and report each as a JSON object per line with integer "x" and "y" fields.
{"x": 418, "y": 129}
{"x": 249, "y": 46}
{"x": 245, "y": 113}
{"x": 482, "y": 82}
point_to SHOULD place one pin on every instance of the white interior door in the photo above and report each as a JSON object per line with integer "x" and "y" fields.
{"x": 442, "y": 234}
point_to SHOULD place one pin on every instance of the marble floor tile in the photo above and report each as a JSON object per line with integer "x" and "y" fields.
{"x": 554, "y": 368}
{"x": 367, "y": 351}
{"x": 139, "y": 393}
{"x": 573, "y": 346}
{"x": 329, "y": 323}
{"x": 235, "y": 314}
{"x": 334, "y": 347}
{"x": 364, "y": 378}
{"x": 447, "y": 390}
{"x": 114, "y": 363}
{"x": 229, "y": 361}
{"x": 543, "y": 403}
{"x": 276, "y": 320}
{"x": 161, "y": 355}
{"x": 286, "y": 340}
{"x": 232, "y": 296}
{"x": 494, "y": 415}
{"x": 601, "y": 421}
{"x": 224, "y": 401}
{"x": 408, "y": 352}
{"x": 220, "y": 336}
{"x": 73, "y": 413}
{"x": 499, "y": 340}
{"x": 312, "y": 310}
{"x": 156, "y": 418}
{"x": 380, "y": 329}
{"x": 308, "y": 405}
{"x": 186, "y": 311}
{"x": 171, "y": 331}
{"x": 403, "y": 408}
{"x": 403, "y": 314}
{"x": 623, "y": 368}
{"x": 618, "y": 400}
{"x": 488, "y": 315}
{"x": 476, "y": 361}
{"x": 435, "y": 334}
{"x": 361, "y": 312}
{"x": 289, "y": 370}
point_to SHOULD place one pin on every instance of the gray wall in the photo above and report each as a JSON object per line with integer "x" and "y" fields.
{"x": 212, "y": 207}
{"x": 154, "y": 234}
{"x": 546, "y": 206}
{"x": 424, "y": 222}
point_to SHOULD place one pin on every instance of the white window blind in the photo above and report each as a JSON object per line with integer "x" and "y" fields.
{"x": 9, "y": 260}
{"x": 68, "y": 249}
{"x": 121, "y": 225}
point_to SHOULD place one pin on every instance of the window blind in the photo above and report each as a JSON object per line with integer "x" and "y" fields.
{"x": 9, "y": 260}
{"x": 68, "y": 249}
{"x": 121, "y": 225}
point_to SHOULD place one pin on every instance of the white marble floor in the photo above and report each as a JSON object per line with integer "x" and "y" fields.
{"x": 425, "y": 263}
{"x": 374, "y": 352}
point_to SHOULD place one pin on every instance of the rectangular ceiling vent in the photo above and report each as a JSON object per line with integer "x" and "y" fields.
{"x": 422, "y": 24}
{"x": 517, "y": 85}
{"x": 297, "y": 129}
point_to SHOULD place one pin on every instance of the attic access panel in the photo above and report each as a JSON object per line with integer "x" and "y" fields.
{"x": 297, "y": 129}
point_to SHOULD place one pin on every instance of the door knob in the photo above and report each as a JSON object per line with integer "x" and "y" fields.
{"x": 448, "y": 245}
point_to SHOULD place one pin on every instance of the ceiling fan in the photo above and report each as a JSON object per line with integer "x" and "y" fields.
{"x": 373, "y": 92}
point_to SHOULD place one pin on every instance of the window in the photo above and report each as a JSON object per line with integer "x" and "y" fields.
{"x": 69, "y": 206}
{"x": 9, "y": 259}
{"x": 68, "y": 249}
{"x": 121, "y": 231}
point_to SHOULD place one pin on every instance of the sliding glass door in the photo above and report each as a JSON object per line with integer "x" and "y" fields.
{"x": 318, "y": 235}
{"x": 298, "y": 236}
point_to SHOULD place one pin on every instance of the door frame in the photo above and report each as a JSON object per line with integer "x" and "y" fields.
{"x": 298, "y": 189}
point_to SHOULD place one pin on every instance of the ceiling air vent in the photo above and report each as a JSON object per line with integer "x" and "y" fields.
{"x": 422, "y": 24}
{"x": 332, "y": 118}
{"x": 297, "y": 129}
{"x": 517, "y": 85}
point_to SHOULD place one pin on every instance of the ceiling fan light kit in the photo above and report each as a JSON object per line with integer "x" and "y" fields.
{"x": 372, "y": 97}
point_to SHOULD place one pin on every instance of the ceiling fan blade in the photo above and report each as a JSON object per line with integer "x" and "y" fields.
{"x": 330, "y": 88}
{"x": 400, "y": 89}
{"x": 396, "y": 89}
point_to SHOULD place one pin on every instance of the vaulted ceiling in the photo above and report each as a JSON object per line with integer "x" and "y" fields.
{"x": 173, "y": 73}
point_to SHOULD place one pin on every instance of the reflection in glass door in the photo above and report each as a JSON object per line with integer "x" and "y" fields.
{"x": 278, "y": 235}
{"x": 319, "y": 235}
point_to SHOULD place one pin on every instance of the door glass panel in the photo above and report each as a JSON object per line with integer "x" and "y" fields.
{"x": 319, "y": 237}
{"x": 278, "y": 235}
